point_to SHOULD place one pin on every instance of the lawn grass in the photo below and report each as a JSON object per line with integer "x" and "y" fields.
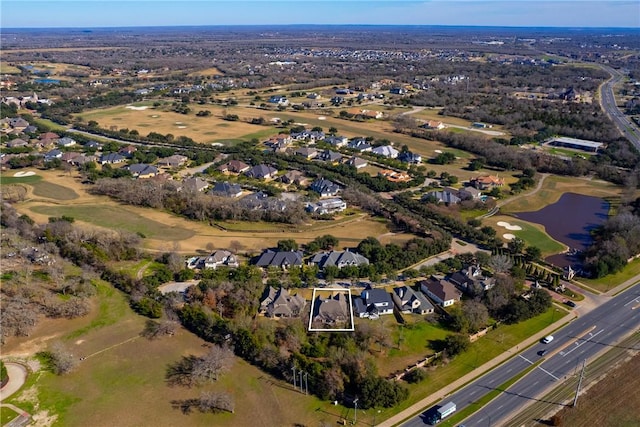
{"x": 8, "y": 180}
{"x": 611, "y": 281}
{"x": 6, "y": 414}
{"x": 118, "y": 218}
{"x": 53, "y": 191}
{"x": 52, "y": 126}
{"x": 532, "y": 234}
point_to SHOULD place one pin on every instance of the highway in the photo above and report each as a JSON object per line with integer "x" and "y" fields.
{"x": 582, "y": 339}
{"x": 608, "y": 101}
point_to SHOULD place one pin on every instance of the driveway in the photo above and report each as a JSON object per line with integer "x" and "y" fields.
{"x": 17, "y": 376}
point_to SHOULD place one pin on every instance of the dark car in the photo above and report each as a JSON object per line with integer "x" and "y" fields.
{"x": 542, "y": 353}
{"x": 570, "y": 303}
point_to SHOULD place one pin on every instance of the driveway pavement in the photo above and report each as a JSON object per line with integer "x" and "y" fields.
{"x": 17, "y": 376}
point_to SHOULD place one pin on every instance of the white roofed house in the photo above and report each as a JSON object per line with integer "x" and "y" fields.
{"x": 386, "y": 151}
{"x": 220, "y": 258}
{"x": 326, "y": 206}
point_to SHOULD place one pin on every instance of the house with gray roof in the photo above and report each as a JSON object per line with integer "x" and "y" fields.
{"x": 357, "y": 162}
{"x": 220, "y": 258}
{"x": 94, "y": 145}
{"x": 15, "y": 143}
{"x": 386, "y": 151}
{"x": 445, "y": 196}
{"x": 193, "y": 184}
{"x": 226, "y": 189}
{"x": 329, "y": 156}
{"x": 324, "y": 187}
{"x": 294, "y": 177}
{"x": 53, "y": 154}
{"x": 174, "y": 161}
{"x": 262, "y": 172}
{"x": 280, "y": 259}
{"x": 337, "y": 141}
{"x": 111, "y": 159}
{"x": 373, "y": 303}
{"x": 326, "y": 206}
{"x": 142, "y": 170}
{"x": 332, "y": 310}
{"x": 409, "y": 157}
{"x": 410, "y": 301}
{"x": 280, "y": 303}
{"x": 471, "y": 280}
{"x": 359, "y": 144}
{"x": 66, "y": 142}
{"x": 307, "y": 152}
{"x": 338, "y": 259}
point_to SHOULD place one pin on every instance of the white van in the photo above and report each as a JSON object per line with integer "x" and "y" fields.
{"x": 547, "y": 339}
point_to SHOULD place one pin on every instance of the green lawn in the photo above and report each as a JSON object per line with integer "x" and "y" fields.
{"x": 54, "y": 127}
{"x": 611, "y": 281}
{"x": 532, "y": 234}
{"x": 53, "y": 191}
{"x": 118, "y": 218}
{"x": 7, "y": 180}
{"x": 6, "y": 415}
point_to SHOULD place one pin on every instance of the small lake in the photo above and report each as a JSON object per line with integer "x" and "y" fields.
{"x": 47, "y": 81}
{"x": 570, "y": 221}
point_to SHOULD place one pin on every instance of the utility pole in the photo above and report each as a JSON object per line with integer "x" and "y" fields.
{"x": 575, "y": 400}
{"x": 301, "y": 389}
{"x": 294, "y": 376}
{"x": 355, "y": 411}
{"x": 306, "y": 384}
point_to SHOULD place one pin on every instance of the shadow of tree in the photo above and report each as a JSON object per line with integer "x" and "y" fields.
{"x": 180, "y": 372}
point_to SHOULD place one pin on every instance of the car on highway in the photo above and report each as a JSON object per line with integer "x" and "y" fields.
{"x": 547, "y": 339}
{"x": 542, "y": 353}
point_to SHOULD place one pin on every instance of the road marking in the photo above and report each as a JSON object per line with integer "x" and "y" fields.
{"x": 547, "y": 372}
{"x": 637, "y": 299}
{"x": 522, "y": 357}
{"x": 580, "y": 344}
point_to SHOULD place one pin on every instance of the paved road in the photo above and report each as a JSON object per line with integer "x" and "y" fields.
{"x": 608, "y": 102}
{"x": 17, "y": 376}
{"x": 580, "y": 340}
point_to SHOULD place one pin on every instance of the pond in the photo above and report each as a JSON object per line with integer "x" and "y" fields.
{"x": 570, "y": 221}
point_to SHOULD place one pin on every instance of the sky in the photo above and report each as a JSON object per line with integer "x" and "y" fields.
{"x": 133, "y": 13}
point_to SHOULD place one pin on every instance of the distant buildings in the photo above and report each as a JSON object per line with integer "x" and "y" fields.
{"x": 577, "y": 144}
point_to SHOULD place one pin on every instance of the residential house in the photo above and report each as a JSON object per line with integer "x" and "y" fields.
{"x": 193, "y": 184}
{"x": 469, "y": 193}
{"x": 294, "y": 177}
{"x": 386, "y": 151}
{"x": 142, "y": 170}
{"x": 30, "y": 129}
{"x": 447, "y": 197}
{"x": 69, "y": 156}
{"x": 234, "y": 166}
{"x": 49, "y": 135}
{"x": 409, "y": 157}
{"x": 279, "y": 100}
{"x": 308, "y": 135}
{"x": 337, "y": 100}
{"x": 471, "y": 280}
{"x": 329, "y": 156}
{"x": 93, "y": 145}
{"x": 18, "y": 123}
{"x": 281, "y": 259}
{"x": 326, "y": 206}
{"x": 486, "y": 182}
{"x": 174, "y": 161}
{"x": 337, "y": 141}
{"x": 441, "y": 291}
{"x": 128, "y": 151}
{"x": 307, "y": 152}
{"x": 409, "y": 301}
{"x": 370, "y": 114}
{"x": 314, "y": 96}
{"x": 220, "y": 258}
{"x": 357, "y": 162}
{"x": 262, "y": 172}
{"x": 359, "y": 144}
{"x": 434, "y": 125}
{"x": 324, "y": 187}
{"x": 111, "y": 158}
{"x": 338, "y": 259}
{"x": 332, "y": 310}
{"x": 83, "y": 159}
{"x": 397, "y": 90}
{"x": 279, "y": 142}
{"x": 280, "y": 303}
{"x": 343, "y": 91}
{"x": 373, "y": 303}
{"x": 66, "y": 142}
{"x": 16, "y": 143}
{"x": 394, "y": 176}
{"x": 53, "y": 154}
{"x": 226, "y": 189}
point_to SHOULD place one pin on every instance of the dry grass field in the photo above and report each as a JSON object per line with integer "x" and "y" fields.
{"x": 213, "y": 71}
{"x": 163, "y": 230}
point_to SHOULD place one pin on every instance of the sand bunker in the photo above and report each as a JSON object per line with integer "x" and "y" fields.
{"x": 133, "y": 107}
{"x": 155, "y": 116}
{"x": 509, "y": 236}
{"x": 24, "y": 173}
{"x": 322, "y": 118}
{"x": 182, "y": 127}
{"x": 438, "y": 151}
{"x": 509, "y": 226}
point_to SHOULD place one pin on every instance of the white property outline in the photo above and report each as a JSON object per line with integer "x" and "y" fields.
{"x": 313, "y": 300}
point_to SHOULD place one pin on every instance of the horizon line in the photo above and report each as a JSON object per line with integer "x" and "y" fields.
{"x": 331, "y": 25}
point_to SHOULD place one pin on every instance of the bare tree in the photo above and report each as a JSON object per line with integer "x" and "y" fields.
{"x": 215, "y": 402}
{"x": 62, "y": 361}
{"x": 476, "y": 313}
{"x": 500, "y": 263}
{"x": 154, "y": 330}
{"x": 217, "y": 361}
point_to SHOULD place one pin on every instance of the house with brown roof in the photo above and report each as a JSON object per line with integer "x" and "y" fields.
{"x": 441, "y": 291}
{"x": 332, "y": 310}
{"x": 433, "y": 124}
{"x": 234, "y": 166}
{"x": 294, "y": 177}
{"x": 394, "y": 176}
{"x": 486, "y": 182}
{"x": 280, "y": 303}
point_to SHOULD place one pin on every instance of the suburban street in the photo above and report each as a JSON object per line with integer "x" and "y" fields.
{"x": 608, "y": 101}
{"x": 582, "y": 339}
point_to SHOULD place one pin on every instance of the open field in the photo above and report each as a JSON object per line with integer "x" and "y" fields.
{"x": 9, "y": 69}
{"x": 213, "y": 71}
{"x": 532, "y": 234}
{"x": 612, "y": 402}
{"x": 53, "y": 191}
{"x": 555, "y": 186}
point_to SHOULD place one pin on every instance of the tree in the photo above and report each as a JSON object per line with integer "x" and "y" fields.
{"x": 456, "y": 343}
{"x": 154, "y": 330}
{"x": 215, "y": 402}
{"x": 287, "y": 245}
{"x": 209, "y": 367}
{"x": 476, "y": 314}
{"x": 415, "y": 376}
{"x": 60, "y": 360}
{"x": 500, "y": 263}
{"x": 532, "y": 253}
{"x": 516, "y": 245}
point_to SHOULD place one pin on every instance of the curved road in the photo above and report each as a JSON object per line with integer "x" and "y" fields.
{"x": 582, "y": 339}
{"x": 17, "y": 376}
{"x": 608, "y": 102}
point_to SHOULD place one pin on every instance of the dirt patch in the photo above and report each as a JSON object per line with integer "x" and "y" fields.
{"x": 43, "y": 419}
{"x": 611, "y": 402}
